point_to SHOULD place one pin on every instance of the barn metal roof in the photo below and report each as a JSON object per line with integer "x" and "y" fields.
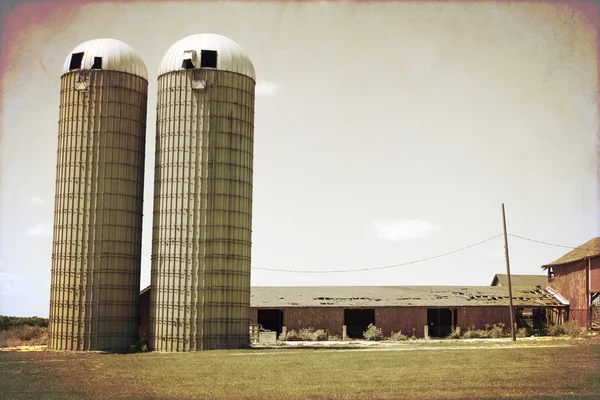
{"x": 520, "y": 280}
{"x": 116, "y": 56}
{"x": 230, "y": 56}
{"x": 402, "y": 296}
{"x": 589, "y": 249}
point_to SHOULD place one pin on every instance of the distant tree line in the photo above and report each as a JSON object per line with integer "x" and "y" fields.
{"x": 11, "y": 322}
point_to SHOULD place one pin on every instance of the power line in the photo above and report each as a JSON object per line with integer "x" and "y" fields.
{"x": 378, "y": 268}
{"x": 551, "y": 244}
{"x": 420, "y": 260}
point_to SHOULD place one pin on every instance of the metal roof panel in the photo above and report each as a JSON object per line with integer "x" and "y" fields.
{"x": 403, "y": 296}
{"x": 116, "y": 56}
{"x": 230, "y": 56}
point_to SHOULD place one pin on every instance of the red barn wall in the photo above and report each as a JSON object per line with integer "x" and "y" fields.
{"x": 570, "y": 281}
{"x": 403, "y": 319}
{"x": 329, "y": 318}
{"x": 253, "y": 315}
{"x": 144, "y": 309}
{"x": 408, "y": 320}
{"x": 595, "y": 275}
{"x": 480, "y": 316}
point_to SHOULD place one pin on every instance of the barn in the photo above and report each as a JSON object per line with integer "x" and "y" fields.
{"x": 414, "y": 310}
{"x": 576, "y": 276}
{"x": 409, "y": 309}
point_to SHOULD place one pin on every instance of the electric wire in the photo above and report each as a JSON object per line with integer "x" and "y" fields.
{"x": 551, "y": 244}
{"x": 420, "y": 260}
{"x": 380, "y": 267}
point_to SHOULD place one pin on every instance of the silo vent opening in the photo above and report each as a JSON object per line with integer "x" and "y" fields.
{"x": 209, "y": 59}
{"x": 189, "y": 59}
{"x": 76, "y": 59}
{"x": 97, "y": 63}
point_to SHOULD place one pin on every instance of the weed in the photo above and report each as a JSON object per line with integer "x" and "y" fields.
{"x": 569, "y": 328}
{"x": 495, "y": 331}
{"x": 522, "y": 333}
{"x": 397, "y": 337}
{"x": 141, "y": 346}
{"x": 305, "y": 334}
{"x": 24, "y": 335}
{"x": 455, "y": 333}
{"x": 373, "y": 333}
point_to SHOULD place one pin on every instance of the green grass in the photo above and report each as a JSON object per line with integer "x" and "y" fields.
{"x": 549, "y": 369}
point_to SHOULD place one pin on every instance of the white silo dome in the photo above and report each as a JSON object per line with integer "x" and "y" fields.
{"x": 229, "y": 55}
{"x": 106, "y": 54}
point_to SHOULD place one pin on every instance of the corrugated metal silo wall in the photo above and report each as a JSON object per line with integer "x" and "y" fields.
{"x": 96, "y": 254}
{"x": 202, "y": 227}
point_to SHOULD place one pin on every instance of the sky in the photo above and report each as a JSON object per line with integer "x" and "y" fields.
{"x": 385, "y": 133}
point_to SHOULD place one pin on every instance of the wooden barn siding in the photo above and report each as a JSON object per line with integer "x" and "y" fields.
{"x": 389, "y": 319}
{"x": 253, "y": 315}
{"x": 329, "y": 318}
{"x": 404, "y": 319}
{"x": 595, "y": 275}
{"x": 570, "y": 281}
{"x": 144, "y": 315}
{"x": 480, "y": 316}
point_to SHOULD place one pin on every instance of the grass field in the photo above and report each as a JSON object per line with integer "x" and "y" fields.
{"x": 527, "y": 369}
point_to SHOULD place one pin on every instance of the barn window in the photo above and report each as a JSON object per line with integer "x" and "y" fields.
{"x": 209, "y": 59}
{"x": 97, "y": 63}
{"x": 357, "y": 321}
{"x": 76, "y": 59}
{"x": 271, "y": 320}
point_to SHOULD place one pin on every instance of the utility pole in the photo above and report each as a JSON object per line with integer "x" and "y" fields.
{"x": 510, "y": 296}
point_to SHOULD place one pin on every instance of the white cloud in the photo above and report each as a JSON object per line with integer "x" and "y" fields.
{"x": 264, "y": 88}
{"x": 10, "y": 284}
{"x": 404, "y": 229}
{"x": 36, "y": 201}
{"x": 40, "y": 230}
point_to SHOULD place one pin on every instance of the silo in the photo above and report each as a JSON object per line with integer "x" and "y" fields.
{"x": 96, "y": 253}
{"x": 202, "y": 224}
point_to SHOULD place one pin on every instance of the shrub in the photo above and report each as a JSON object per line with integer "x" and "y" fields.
{"x": 320, "y": 335}
{"x": 305, "y": 334}
{"x": 522, "y": 333}
{"x": 573, "y": 329}
{"x": 397, "y": 337}
{"x": 141, "y": 346}
{"x": 10, "y": 322}
{"x": 498, "y": 331}
{"x": 455, "y": 334}
{"x": 472, "y": 333}
{"x": 285, "y": 336}
{"x": 555, "y": 330}
{"x": 373, "y": 333}
{"x": 569, "y": 328}
{"x": 24, "y": 335}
